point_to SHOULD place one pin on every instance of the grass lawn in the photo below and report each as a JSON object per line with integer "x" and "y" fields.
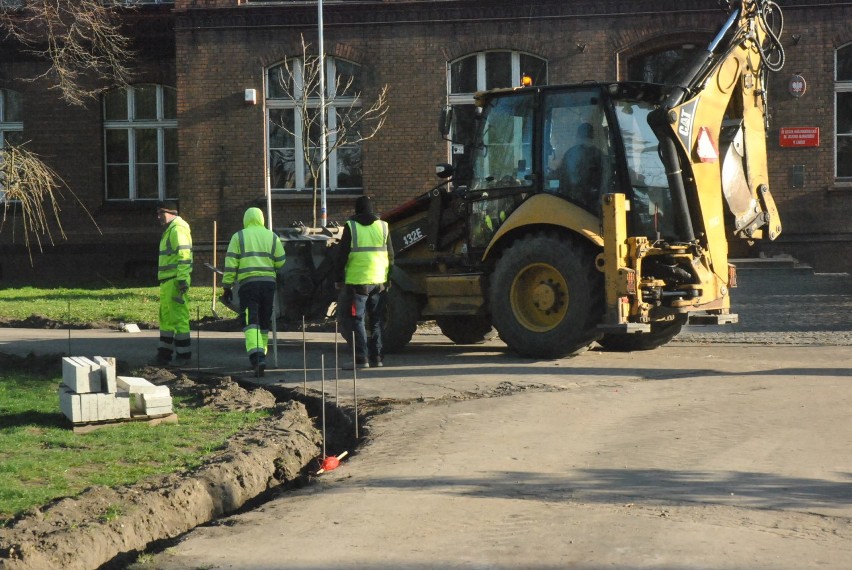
{"x": 42, "y": 459}
{"x": 82, "y": 306}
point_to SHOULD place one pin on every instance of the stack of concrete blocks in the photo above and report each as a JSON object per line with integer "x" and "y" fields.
{"x": 92, "y": 392}
{"x": 146, "y": 399}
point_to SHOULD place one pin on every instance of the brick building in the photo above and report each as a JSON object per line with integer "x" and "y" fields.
{"x": 185, "y": 128}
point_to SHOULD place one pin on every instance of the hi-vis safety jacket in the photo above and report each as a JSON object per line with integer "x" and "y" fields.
{"x": 368, "y": 261}
{"x": 175, "y": 260}
{"x": 255, "y": 253}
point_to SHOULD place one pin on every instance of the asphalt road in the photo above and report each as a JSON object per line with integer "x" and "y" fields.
{"x": 719, "y": 450}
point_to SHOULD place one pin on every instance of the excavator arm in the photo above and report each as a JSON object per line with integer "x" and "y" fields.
{"x": 718, "y": 112}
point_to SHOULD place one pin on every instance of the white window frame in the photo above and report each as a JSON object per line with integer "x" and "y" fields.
{"x": 6, "y": 127}
{"x": 131, "y": 124}
{"x": 467, "y": 98}
{"x": 840, "y": 86}
{"x": 334, "y": 102}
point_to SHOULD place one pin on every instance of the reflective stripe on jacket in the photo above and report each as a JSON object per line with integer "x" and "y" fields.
{"x": 368, "y": 257}
{"x": 175, "y": 260}
{"x": 255, "y": 253}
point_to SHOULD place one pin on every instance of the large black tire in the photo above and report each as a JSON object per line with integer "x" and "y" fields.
{"x": 466, "y": 329}
{"x": 546, "y": 296}
{"x": 402, "y": 311}
{"x": 661, "y": 333}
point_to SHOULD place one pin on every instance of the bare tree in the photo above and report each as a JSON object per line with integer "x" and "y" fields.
{"x": 26, "y": 179}
{"x": 300, "y": 81}
{"x": 81, "y": 40}
{"x": 84, "y": 48}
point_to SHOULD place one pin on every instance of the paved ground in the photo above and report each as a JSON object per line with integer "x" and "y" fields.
{"x": 716, "y": 451}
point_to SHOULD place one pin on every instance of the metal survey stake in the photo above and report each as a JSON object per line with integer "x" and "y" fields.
{"x": 355, "y": 384}
{"x": 304, "y": 357}
{"x": 322, "y": 387}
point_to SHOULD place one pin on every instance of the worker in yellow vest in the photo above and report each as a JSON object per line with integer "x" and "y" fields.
{"x": 363, "y": 264}
{"x": 255, "y": 255}
{"x": 173, "y": 272}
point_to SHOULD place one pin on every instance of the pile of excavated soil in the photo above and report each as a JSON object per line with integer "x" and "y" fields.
{"x": 102, "y": 523}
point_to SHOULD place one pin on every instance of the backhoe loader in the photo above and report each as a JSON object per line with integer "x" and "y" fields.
{"x": 596, "y": 211}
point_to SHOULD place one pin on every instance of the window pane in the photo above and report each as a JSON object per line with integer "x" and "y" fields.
{"x": 118, "y": 182}
{"x": 115, "y": 105}
{"x": 171, "y": 180}
{"x": 844, "y": 63}
{"x": 14, "y": 137}
{"x": 310, "y": 80}
{"x": 651, "y": 198}
{"x": 146, "y": 145}
{"x": 463, "y": 75}
{"x": 844, "y": 113}
{"x": 170, "y": 150}
{"x": 279, "y": 82}
{"x": 347, "y": 72}
{"x": 349, "y": 167}
{"x": 116, "y": 146}
{"x": 12, "y": 104}
{"x": 169, "y": 103}
{"x": 145, "y": 102}
{"x": 535, "y": 68}
{"x": 844, "y": 157}
{"x": 312, "y": 122}
{"x": 283, "y": 168}
{"x": 345, "y": 126}
{"x": 498, "y": 69}
{"x": 146, "y": 181}
{"x": 281, "y": 127}
{"x": 505, "y": 157}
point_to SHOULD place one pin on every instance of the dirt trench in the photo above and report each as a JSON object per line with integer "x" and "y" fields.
{"x": 104, "y": 526}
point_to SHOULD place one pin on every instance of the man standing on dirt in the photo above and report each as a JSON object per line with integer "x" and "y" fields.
{"x": 364, "y": 259}
{"x": 173, "y": 272}
{"x": 255, "y": 255}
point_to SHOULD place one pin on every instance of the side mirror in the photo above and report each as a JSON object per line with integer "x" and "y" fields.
{"x": 444, "y": 170}
{"x": 445, "y": 124}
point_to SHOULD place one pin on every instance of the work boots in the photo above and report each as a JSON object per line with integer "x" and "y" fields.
{"x": 258, "y": 365}
{"x": 163, "y": 358}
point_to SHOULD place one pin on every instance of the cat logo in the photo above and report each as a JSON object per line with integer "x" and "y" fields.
{"x": 685, "y": 120}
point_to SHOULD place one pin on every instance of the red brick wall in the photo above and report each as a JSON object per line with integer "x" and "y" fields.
{"x": 223, "y": 46}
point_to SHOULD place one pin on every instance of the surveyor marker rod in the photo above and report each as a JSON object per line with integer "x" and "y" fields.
{"x": 355, "y": 383}
{"x": 322, "y": 387}
{"x": 336, "y": 368}
{"x": 304, "y": 357}
{"x": 215, "y": 247}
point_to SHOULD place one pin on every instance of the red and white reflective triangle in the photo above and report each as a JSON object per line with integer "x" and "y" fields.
{"x": 705, "y": 146}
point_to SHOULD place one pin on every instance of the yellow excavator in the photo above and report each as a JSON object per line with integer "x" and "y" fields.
{"x": 596, "y": 211}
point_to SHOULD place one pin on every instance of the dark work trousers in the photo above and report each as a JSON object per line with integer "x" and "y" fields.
{"x": 256, "y": 298}
{"x": 362, "y": 302}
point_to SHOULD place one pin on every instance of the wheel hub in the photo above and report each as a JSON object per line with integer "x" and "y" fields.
{"x": 539, "y": 297}
{"x": 544, "y": 296}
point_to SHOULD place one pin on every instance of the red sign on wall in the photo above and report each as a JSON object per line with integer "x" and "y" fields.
{"x": 799, "y": 137}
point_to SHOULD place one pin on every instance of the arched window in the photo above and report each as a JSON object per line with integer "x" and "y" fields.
{"x": 486, "y": 70}
{"x": 843, "y": 112}
{"x": 11, "y": 123}
{"x": 293, "y": 105}
{"x": 140, "y": 142}
{"x": 661, "y": 66}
